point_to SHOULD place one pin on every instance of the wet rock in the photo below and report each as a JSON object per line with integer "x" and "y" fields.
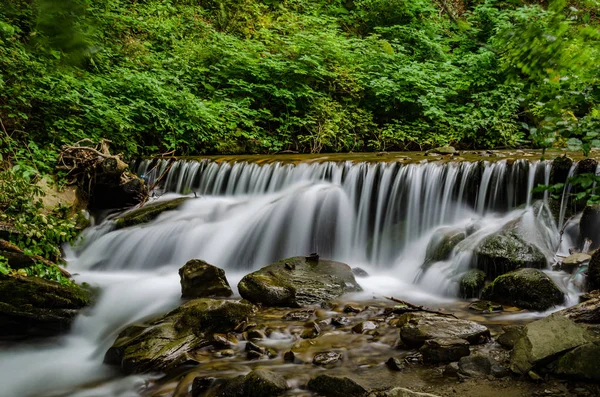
{"x": 312, "y": 282}
{"x": 395, "y": 364}
{"x": 442, "y": 150}
{"x": 363, "y": 327}
{"x": 336, "y": 386}
{"x": 147, "y": 213}
{"x": 202, "y": 384}
{"x": 589, "y": 226}
{"x": 352, "y": 309}
{"x": 254, "y": 355}
{"x": 166, "y": 342}
{"x": 358, "y": 272}
{"x": 253, "y": 347}
{"x": 444, "y": 349}
{"x": 572, "y": 262}
{"x": 476, "y": 365}
{"x": 254, "y": 334}
{"x": 311, "y": 331}
{"x": 418, "y": 327}
{"x": 507, "y": 250}
{"x": 510, "y": 336}
{"x": 223, "y": 340}
{"x": 589, "y": 296}
{"x": 545, "y": 339}
{"x": 33, "y": 307}
{"x": 525, "y": 288}
{"x": 326, "y": 358}
{"x": 587, "y": 312}
{"x": 258, "y": 383}
{"x": 486, "y": 307}
{"x": 299, "y": 315}
{"x": 471, "y": 284}
{"x": 201, "y": 280}
{"x": 340, "y": 321}
{"x": 593, "y": 273}
{"x": 289, "y": 356}
{"x": 580, "y": 363}
{"x": 441, "y": 245}
{"x": 499, "y": 371}
{"x": 451, "y": 370}
{"x": 401, "y": 392}
{"x": 559, "y": 172}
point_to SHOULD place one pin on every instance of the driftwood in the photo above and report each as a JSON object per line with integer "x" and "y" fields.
{"x": 102, "y": 178}
{"x": 414, "y": 308}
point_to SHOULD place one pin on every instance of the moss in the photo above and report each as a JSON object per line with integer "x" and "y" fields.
{"x": 471, "y": 284}
{"x": 147, "y": 213}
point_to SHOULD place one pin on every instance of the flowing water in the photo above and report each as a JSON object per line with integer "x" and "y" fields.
{"x": 243, "y": 215}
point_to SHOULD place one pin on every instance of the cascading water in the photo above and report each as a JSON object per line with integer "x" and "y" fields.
{"x": 241, "y": 216}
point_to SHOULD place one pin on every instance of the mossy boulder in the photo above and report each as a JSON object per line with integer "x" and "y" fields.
{"x": 202, "y": 280}
{"x": 32, "y": 307}
{"x": 336, "y": 386}
{"x": 298, "y": 282}
{"x": 441, "y": 245}
{"x": 593, "y": 273}
{"x": 147, "y": 213}
{"x": 525, "y": 288}
{"x": 171, "y": 340}
{"x": 471, "y": 284}
{"x": 589, "y": 226}
{"x": 559, "y": 172}
{"x": 586, "y": 312}
{"x": 580, "y": 363}
{"x": 507, "y": 250}
{"x": 258, "y": 383}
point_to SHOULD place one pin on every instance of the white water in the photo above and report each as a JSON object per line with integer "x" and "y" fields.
{"x": 377, "y": 216}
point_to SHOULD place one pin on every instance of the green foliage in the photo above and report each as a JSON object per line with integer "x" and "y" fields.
{"x": 261, "y": 76}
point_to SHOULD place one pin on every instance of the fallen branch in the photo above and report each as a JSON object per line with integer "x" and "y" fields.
{"x": 415, "y": 308}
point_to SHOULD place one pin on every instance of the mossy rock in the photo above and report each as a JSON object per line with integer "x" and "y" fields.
{"x": 580, "y": 363}
{"x": 593, "y": 273}
{"x": 169, "y": 341}
{"x": 336, "y": 386}
{"x": 441, "y": 245}
{"x": 471, "y": 284}
{"x": 525, "y": 288}
{"x": 147, "y": 213}
{"x": 589, "y": 226}
{"x": 507, "y": 250}
{"x": 258, "y": 383}
{"x": 298, "y": 282}
{"x": 202, "y": 280}
{"x": 31, "y": 306}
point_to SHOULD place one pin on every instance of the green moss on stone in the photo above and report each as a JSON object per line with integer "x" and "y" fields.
{"x": 147, "y": 213}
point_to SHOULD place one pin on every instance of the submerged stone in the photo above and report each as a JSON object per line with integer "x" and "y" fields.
{"x": 311, "y": 282}
{"x": 486, "y": 307}
{"x": 33, "y": 307}
{"x": 202, "y": 280}
{"x": 169, "y": 341}
{"x": 525, "y": 288}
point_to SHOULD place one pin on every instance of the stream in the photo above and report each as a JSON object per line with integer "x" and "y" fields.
{"x": 242, "y": 215}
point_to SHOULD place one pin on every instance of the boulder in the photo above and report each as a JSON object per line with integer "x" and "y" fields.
{"x": 298, "y": 282}
{"x": 525, "y": 288}
{"x": 580, "y": 363}
{"x": 336, "y": 386}
{"x": 479, "y": 364}
{"x": 441, "y": 245}
{"x": 201, "y": 280}
{"x": 559, "y": 172}
{"x": 169, "y": 341}
{"x": 258, "y": 383}
{"x": 543, "y": 340}
{"x": 444, "y": 349}
{"x": 587, "y": 312}
{"x": 507, "y": 250}
{"x": 572, "y": 262}
{"x": 359, "y": 272}
{"x": 416, "y": 328}
{"x": 147, "y": 213}
{"x": 510, "y": 336}
{"x": 33, "y": 307}
{"x": 589, "y": 226}
{"x": 471, "y": 284}
{"x": 593, "y": 273}
{"x": 442, "y": 150}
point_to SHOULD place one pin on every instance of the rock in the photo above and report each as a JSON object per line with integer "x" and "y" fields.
{"x": 224, "y": 341}
{"x": 589, "y": 226}
{"x": 587, "y": 312}
{"x": 352, "y": 309}
{"x": 201, "y": 280}
{"x": 444, "y": 349}
{"x": 559, "y": 172}
{"x": 18, "y": 259}
{"x": 545, "y": 339}
{"x": 441, "y": 245}
{"x": 486, "y": 307}
{"x": 299, "y": 315}
{"x": 254, "y": 334}
{"x": 589, "y": 296}
{"x": 401, "y": 392}
{"x": 442, "y": 150}
{"x": 147, "y": 213}
{"x": 340, "y": 321}
{"x": 593, "y": 273}
{"x": 580, "y": 363}
{"x": 253, "y": 347}
{"x": 507, "y": 250}
{"x": 476, "y": 365}
{"x": 394, "y": 364}
{"x": 201, "y": 384}
{"x": 254, "y": 355}
{"x": 258, "y": 383}
{"x": 111, "y": 192}
{"x": 363, "y": 327}
{"x": 525, "y": 288}
{"x": 312, "y": 282}
{"x": 471, "y": 284}
{"x": 326, "y": 358}
{"x": 358, "y": 272}
{"x": 510, "y": 336}
{"x": 336, "y": 386}
{"x": 451, "y": 370}
{"x": 572, "y": 262}
{"x": 166, "y": 342}
{"x": 34, "y": 307}
{"x": 289, "y": 356}
{"x": 311, "y": 330}
{"x": 418, "y": 327}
